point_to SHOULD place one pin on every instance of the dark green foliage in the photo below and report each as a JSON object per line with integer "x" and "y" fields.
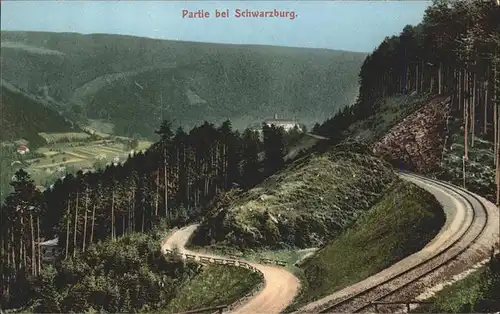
{"x": 127, "y": 275}
{"x": 130, "y": 275}
{"x": 250, "y": 154}
{"x": 83, "y": 209}
{"x": 334, "y": 127}
{"x": 274, "y": 148}
{"x": 135, "y": 82}
{"x": 24, "y": 117}
{"x": 293, "y": 136}
{"x": 18, "y": 252}
{"x": 8, "y": 157}
{"x": 455, "y": 39}
{"x": 44, "y": 288}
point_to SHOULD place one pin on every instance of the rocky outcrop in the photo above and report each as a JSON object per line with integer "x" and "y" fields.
{"x": 417, "y": 142}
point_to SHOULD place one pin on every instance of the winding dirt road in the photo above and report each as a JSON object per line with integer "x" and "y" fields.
{"x": 462, "y": 213}
{"x": 280, "y": 286}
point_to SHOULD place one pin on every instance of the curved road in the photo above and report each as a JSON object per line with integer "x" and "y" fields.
{"x": 281, "y": 286}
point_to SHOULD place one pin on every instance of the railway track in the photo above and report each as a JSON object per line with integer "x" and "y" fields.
{"x": 362, "y": 301}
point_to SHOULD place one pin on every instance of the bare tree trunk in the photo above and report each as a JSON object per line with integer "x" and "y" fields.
{"x": 93, "y": 225}
{"x": 33, "y": 252}
{"x": 5, "y": 249}
{"x": 38, "y": 246}
{"x": 133, "y": 211}
{"x": 113, "y": 213}
{"x": 13, "y": 247}
{"x": 143, "y": 200}
{"x": 67, "y": 229}
{"x": 473, "y": 115}
{"x": 416, "y": 77}
{"x": 129, "y": 214}
{"x": 422, "y": 77}
{"x": 495, "y": 111}
{"x": 466, "y": 149}
{"x": 22, "y": 246}
{"x": 408, "y": 86}
{"x": 123, "y": 223}
{"x": 76, "y": 222}
{"x": 440, "y": 74}
{"x": 85, "y": 220}
{"x": 496, "y": 103}
{"x": 464, "y": 92}
{"x": 460, "y": 92}
{"x": 485, "y": 86}
{"x": 497, "y": 164}
{"x": 142, "y": 225}
{"x": 166, "y": 182}
{"x": 157, "y": 191}
{"x": 495, "y": 128}
{"x": 463, "y": 171}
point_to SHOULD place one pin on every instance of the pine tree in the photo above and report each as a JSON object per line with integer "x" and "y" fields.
{"x": 274, "y": 148}
{"x": 250, "y": 157}
{"x": 166, "y": 134}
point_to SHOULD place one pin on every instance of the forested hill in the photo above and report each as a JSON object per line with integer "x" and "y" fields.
{"x": 454, "y": 52}
{"x": 24, "y": 117}
{"x": 113, "y": 78}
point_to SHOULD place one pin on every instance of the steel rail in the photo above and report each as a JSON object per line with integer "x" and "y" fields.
{"x": 381, "y": 293}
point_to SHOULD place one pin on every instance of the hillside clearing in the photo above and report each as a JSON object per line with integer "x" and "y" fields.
{"x": 302, "y": 206}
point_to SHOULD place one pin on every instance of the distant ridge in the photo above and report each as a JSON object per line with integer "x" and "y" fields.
{"x": 96, "y": 76}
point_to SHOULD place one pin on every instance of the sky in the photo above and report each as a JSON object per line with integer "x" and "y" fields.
{"x": 344, "y": 25}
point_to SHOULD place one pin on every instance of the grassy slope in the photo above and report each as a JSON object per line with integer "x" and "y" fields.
{"x": 401, "y": 223}
{"x": 307, "y": 203}
{"x": 216, "y": 285}
{"x": 23, "y": 117}
{"x": 197, "y": 81}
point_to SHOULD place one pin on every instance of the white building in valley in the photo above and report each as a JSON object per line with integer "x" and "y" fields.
{"x": 286, "y": 124}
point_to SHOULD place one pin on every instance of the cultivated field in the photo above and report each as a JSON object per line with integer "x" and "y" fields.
{"x": 69, "y": 136}
{"x": 57, "y": 158}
